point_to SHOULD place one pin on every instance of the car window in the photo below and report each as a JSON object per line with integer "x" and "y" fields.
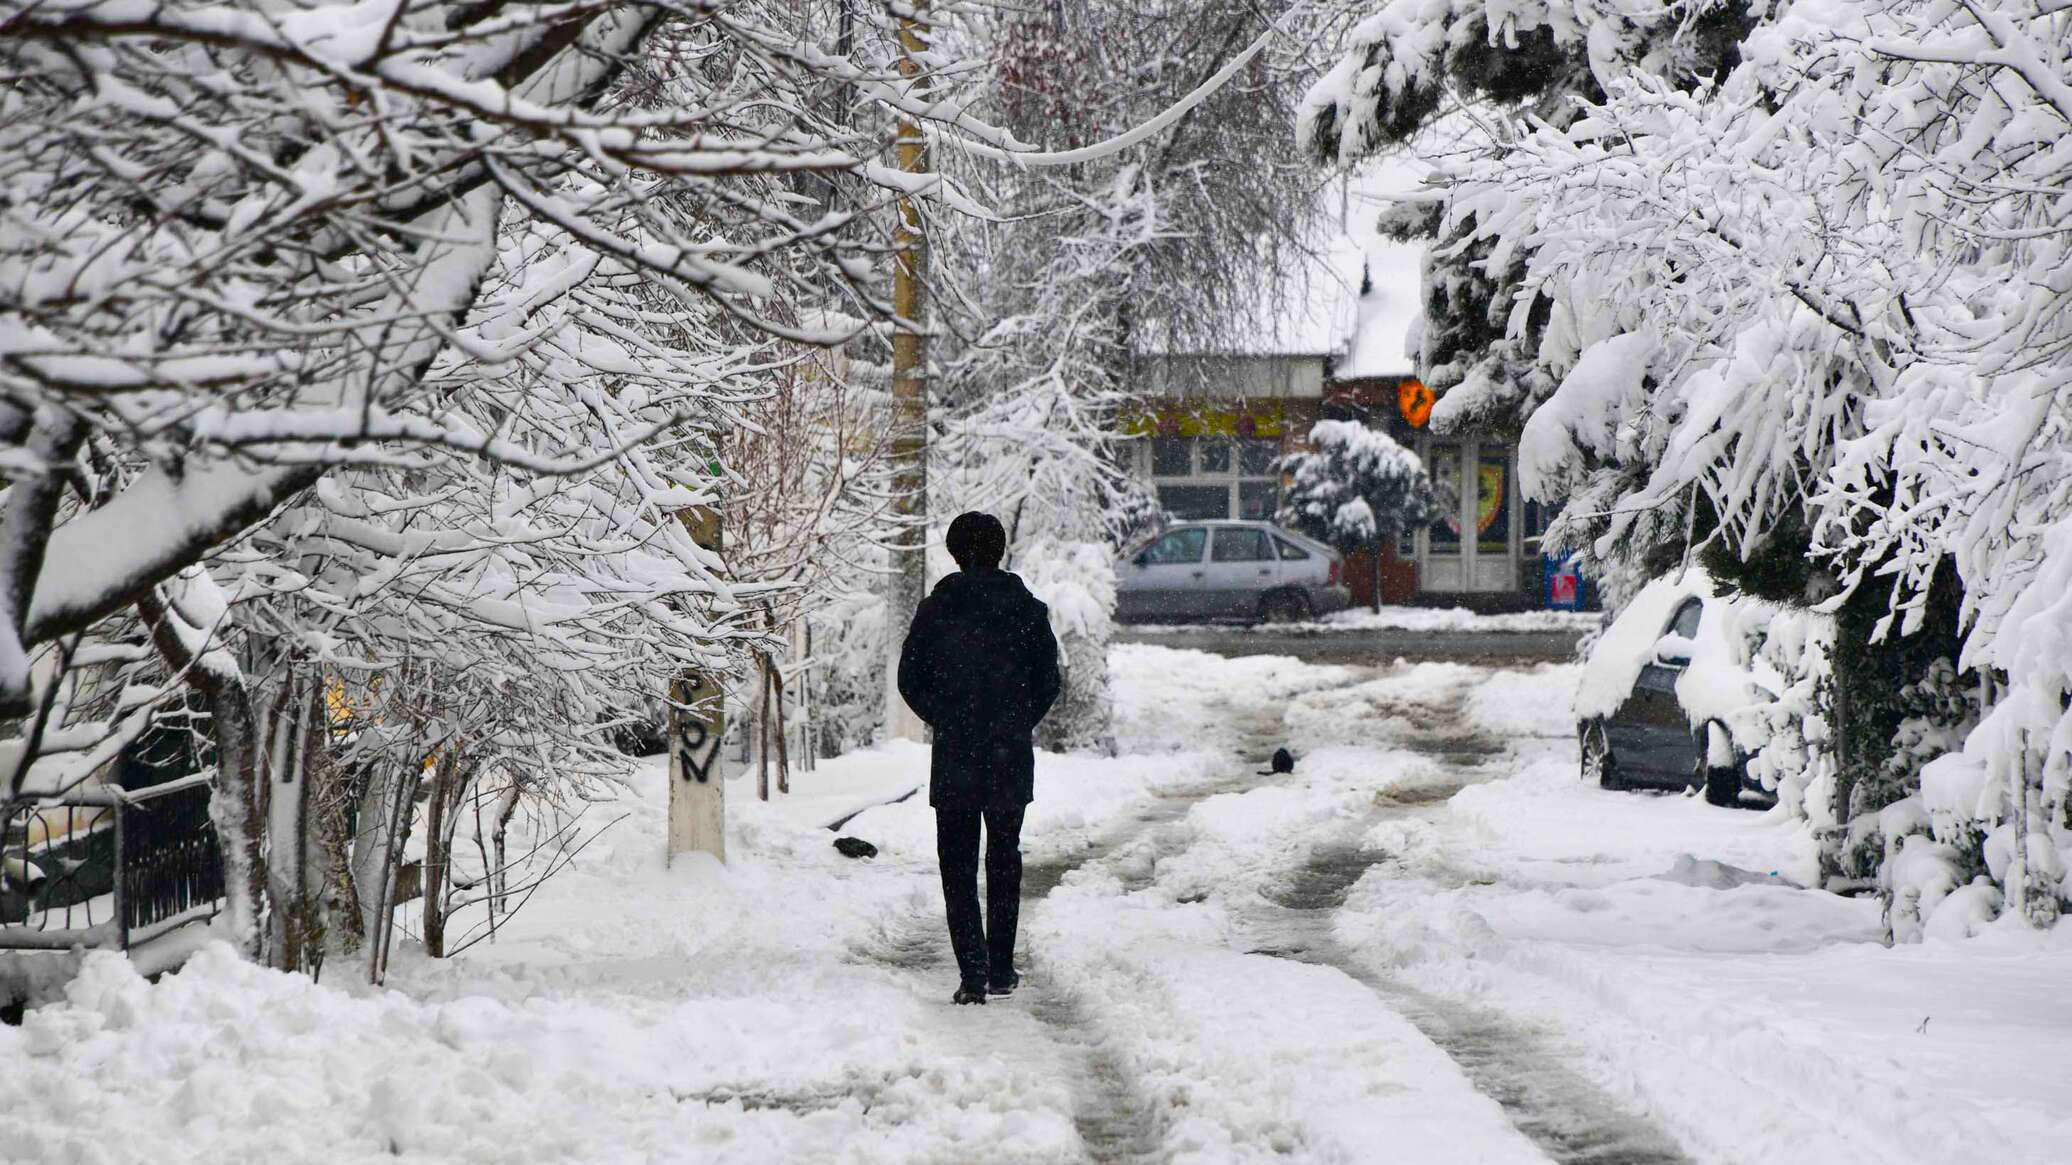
{"x": 1289, "y": 550}
{"x": 1685, "y": 621}
{"x": 1177, "y": 546}
{"x": 1240, "y": 545}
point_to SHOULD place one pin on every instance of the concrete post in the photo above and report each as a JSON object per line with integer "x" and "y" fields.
{"x": 697, "y": 720}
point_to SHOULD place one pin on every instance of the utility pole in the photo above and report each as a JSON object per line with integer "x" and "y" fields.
{"x": 909, "y": 386}
{"x": 697, "y": 785}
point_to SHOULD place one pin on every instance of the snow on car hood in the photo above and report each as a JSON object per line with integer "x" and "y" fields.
{"x": 1722, "y": 678}
{"x": 1626, "y": 645}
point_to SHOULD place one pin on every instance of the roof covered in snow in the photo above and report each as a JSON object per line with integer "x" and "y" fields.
{"x": 1320, "y": 310}
{"x": 1382, "y": 337}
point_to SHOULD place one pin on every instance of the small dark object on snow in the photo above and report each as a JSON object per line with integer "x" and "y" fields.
{"x": 855, "y": 847}
{"x": 1004, "y": 986}
{"x": 1283, "y": 762}
{"x": 970, "y": 994}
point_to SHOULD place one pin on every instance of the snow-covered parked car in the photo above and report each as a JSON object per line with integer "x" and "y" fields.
{"x": 1230, "y": 569}
{"x": 1671, "y": 693}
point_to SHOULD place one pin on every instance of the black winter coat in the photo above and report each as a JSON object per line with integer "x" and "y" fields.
{"x": 981, "y": 667}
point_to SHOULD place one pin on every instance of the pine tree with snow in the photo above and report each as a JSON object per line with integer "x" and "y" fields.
{"x": 1356, "y": 489}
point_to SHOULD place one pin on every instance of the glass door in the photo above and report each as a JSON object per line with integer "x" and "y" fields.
{"x": 1473, "y": 544}
{"x": 1495, "y": 568}
{"x": 1445, "y": 558}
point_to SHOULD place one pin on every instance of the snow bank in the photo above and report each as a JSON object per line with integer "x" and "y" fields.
{"x": 1668, "y": 946}
{"x": 1537, "y": 701}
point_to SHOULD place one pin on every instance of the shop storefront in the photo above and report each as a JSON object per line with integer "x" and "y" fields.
{"x": 1487, "y": 540}
{"x": 1213, "y": 459}
{"x": 1483, "y": 551}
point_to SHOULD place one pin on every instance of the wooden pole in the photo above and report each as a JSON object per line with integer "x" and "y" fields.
{"x": 909, "y": 386}
{"x": 762, "y": 729}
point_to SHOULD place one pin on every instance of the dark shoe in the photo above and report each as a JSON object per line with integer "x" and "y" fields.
{"x": 969, "y": 994}
{"x": 1004, "y": 986}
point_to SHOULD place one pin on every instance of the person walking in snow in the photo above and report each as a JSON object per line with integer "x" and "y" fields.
{"x": 980, "y": 666}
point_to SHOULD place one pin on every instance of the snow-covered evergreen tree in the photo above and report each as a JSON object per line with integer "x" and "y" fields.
{"x": 1355, "y": 489}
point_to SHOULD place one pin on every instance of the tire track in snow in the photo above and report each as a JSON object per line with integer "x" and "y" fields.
{"x": 1114, "y": 1115}
{"x": 1570, "y": 1118}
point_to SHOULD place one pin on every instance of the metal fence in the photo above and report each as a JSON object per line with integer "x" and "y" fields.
{"x": 108, "y": 867}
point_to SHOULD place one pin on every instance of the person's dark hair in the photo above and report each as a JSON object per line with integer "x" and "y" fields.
{"x": 976, "y": 540}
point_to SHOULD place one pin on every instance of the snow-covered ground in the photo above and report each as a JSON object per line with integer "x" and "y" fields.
{"x": 1432, "y": 943}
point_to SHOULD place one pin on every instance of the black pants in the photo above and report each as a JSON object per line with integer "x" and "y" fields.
{"x": 985, "y": 949}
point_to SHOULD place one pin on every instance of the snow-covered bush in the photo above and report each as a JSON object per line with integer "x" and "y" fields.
{"x": 1788, "y": 736}
{"x": 1077, "y": 581}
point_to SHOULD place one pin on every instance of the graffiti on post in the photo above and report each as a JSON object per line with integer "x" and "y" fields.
{"x": 697, "y": 731}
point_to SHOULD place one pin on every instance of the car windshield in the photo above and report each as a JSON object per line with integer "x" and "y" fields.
{"x": 1289, "y": 550}
{"x": 1685, "y": 622}
{"x": 1176, "y": 546}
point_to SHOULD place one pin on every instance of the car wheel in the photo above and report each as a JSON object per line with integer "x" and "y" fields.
{"x": 1284, "y": 607}
{"x": 1597, "y": 756}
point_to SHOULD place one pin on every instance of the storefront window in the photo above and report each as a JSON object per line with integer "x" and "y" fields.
{"x": 1537, "y": 517}
{"x": 1257, "y": 500}
{"x": 1195, "y": 502}
{"x": 1493, "y": 502}
{"x": 1258, "y": 455}
{"x": 1215, "y": 457}
{"x": 1169, "y": 456}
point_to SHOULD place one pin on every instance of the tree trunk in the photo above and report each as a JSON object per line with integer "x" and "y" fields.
{"x": 783, "y": 726}
{"x": 384, "y": 829}
{"x": 240, "y": 824}
{"x": 762, "y": 728}
{"x": 438, "y": 850}
{"x": 1375, "y": 552}
{"x": 499, "y": 878}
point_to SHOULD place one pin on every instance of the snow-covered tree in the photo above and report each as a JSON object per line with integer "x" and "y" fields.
{"x": 1168, "y": 241}
{"x": 1355, "y": 489}
{"x": 374, "y": 348}
{"x": 1806, "y": 308}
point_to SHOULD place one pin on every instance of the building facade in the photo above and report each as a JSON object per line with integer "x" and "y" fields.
{"x": 1337, "y": 346}
{"x": 1484, "y": 551}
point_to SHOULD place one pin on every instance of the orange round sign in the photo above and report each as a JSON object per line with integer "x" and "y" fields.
{"x": 1415, "y": 401}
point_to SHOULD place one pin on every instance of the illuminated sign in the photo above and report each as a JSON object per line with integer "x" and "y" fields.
{"x": 1415, "y": 402}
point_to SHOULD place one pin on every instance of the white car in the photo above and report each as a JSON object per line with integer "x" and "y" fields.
{"x": 1230, "y": 570}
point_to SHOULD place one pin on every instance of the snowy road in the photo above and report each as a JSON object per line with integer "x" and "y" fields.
{"x": 1431, "y": 944}
{"x": 1369, "y": 648}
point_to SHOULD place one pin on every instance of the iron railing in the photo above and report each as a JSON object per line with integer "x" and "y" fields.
{"x": 108, "y": 867}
